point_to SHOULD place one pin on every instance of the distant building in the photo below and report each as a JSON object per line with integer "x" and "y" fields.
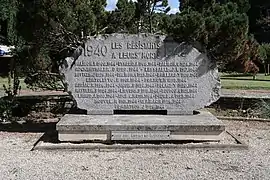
{"x": 5, "y": 50}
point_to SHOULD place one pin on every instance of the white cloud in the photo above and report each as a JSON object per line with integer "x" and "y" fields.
{"x": 173, "y": 11}
{"x": 111, "y": 5}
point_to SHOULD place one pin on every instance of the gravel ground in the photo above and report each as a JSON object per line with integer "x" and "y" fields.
{"x": 17, "y": 162}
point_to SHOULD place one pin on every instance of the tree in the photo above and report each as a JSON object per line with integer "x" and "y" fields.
{"x": 259, "y": 20}
{"x": 145, "y": 10}
{"x": 8, "y": 17}
{"x": 140, "y": 16}
{"x": 221, "y": 29}
{"x": 242, "y": 5}
{"x": 123, "y": 18}
{"x": 46, "y": 31}
{"x": 264, "y": 52}
{"x": 250, "y": 56}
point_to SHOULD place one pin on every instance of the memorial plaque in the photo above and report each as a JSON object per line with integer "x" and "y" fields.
{"x": 140, "y": 72}
{"x": 140, "y": 135}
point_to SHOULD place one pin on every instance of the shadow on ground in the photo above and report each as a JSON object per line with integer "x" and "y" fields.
{"x": 27, "y": 127}
{"x": 237, "y": 75}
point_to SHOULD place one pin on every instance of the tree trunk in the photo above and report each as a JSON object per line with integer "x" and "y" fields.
{"x": 264, "y": 66}
{"x": 268, "y": 69}
{"x": 140, "y": 25}
{"x": 150, "y": 22}
{"x": 150, "y": 15}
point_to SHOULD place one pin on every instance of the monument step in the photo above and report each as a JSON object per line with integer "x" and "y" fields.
{"x": 203, "y": 126}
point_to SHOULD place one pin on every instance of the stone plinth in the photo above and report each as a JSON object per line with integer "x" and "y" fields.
{"x": 203, "y": 126}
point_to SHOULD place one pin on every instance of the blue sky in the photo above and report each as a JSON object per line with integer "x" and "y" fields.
{"x": 111, "y": 4}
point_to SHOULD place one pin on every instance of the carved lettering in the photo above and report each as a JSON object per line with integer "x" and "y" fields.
{"x": 99, "y": 50}
{"x": 138, "y": 72}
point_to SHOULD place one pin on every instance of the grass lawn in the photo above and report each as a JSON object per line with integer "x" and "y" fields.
{"x": 4, "y": 81}
{"x": 240, "y": 81}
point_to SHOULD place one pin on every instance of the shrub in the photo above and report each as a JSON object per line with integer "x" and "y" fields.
{"x": 263, "y": 109}
{"x": 9, "y": 103}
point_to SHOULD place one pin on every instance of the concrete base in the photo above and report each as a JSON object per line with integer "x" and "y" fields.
{"x": 201, "y": 127}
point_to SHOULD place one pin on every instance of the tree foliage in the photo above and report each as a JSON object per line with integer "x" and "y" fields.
{"x": 137, "y": 17}
{"x": 264, "y": 52}
{"x": 46, "y": 31}
{"x": 199, "y": 5}
{"x": 145, "y": 10}
{"x": 220, "y": 28}
{"x": 123, "y": 18}
{"x": 259, "y": 20}
{"x": 8, "y": 15}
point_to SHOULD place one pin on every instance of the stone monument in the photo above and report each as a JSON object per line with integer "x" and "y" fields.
{"x": 140, "y": 73}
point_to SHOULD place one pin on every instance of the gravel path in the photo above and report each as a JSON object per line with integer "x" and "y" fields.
{"x": 17, "y": 162}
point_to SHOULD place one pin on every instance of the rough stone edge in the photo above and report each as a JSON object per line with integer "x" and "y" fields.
{"x": 231, "y": 118}
{"x": 148, "y": 146}
{"x": 241, "y": 145}
{"x": 124, "y": 35}
{"x": 216, "y": 93}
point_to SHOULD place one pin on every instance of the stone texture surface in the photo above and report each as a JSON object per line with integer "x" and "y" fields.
{"x": 140, "y": 135}
{"x": 140, "y": 72}
{"x": 201, "y": 122}
{"x": 197, "y": 126}
{"x": 78, "y": 137}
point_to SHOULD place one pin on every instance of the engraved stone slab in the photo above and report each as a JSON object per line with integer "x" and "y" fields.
{"x": 140, "y": 135}
{"x": 140, "y": 72}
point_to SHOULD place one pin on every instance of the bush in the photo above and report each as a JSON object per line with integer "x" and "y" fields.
{"x": 263, "y": 109}
{"x": 264, "y": 51}
{"x": 9, "y": 103}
